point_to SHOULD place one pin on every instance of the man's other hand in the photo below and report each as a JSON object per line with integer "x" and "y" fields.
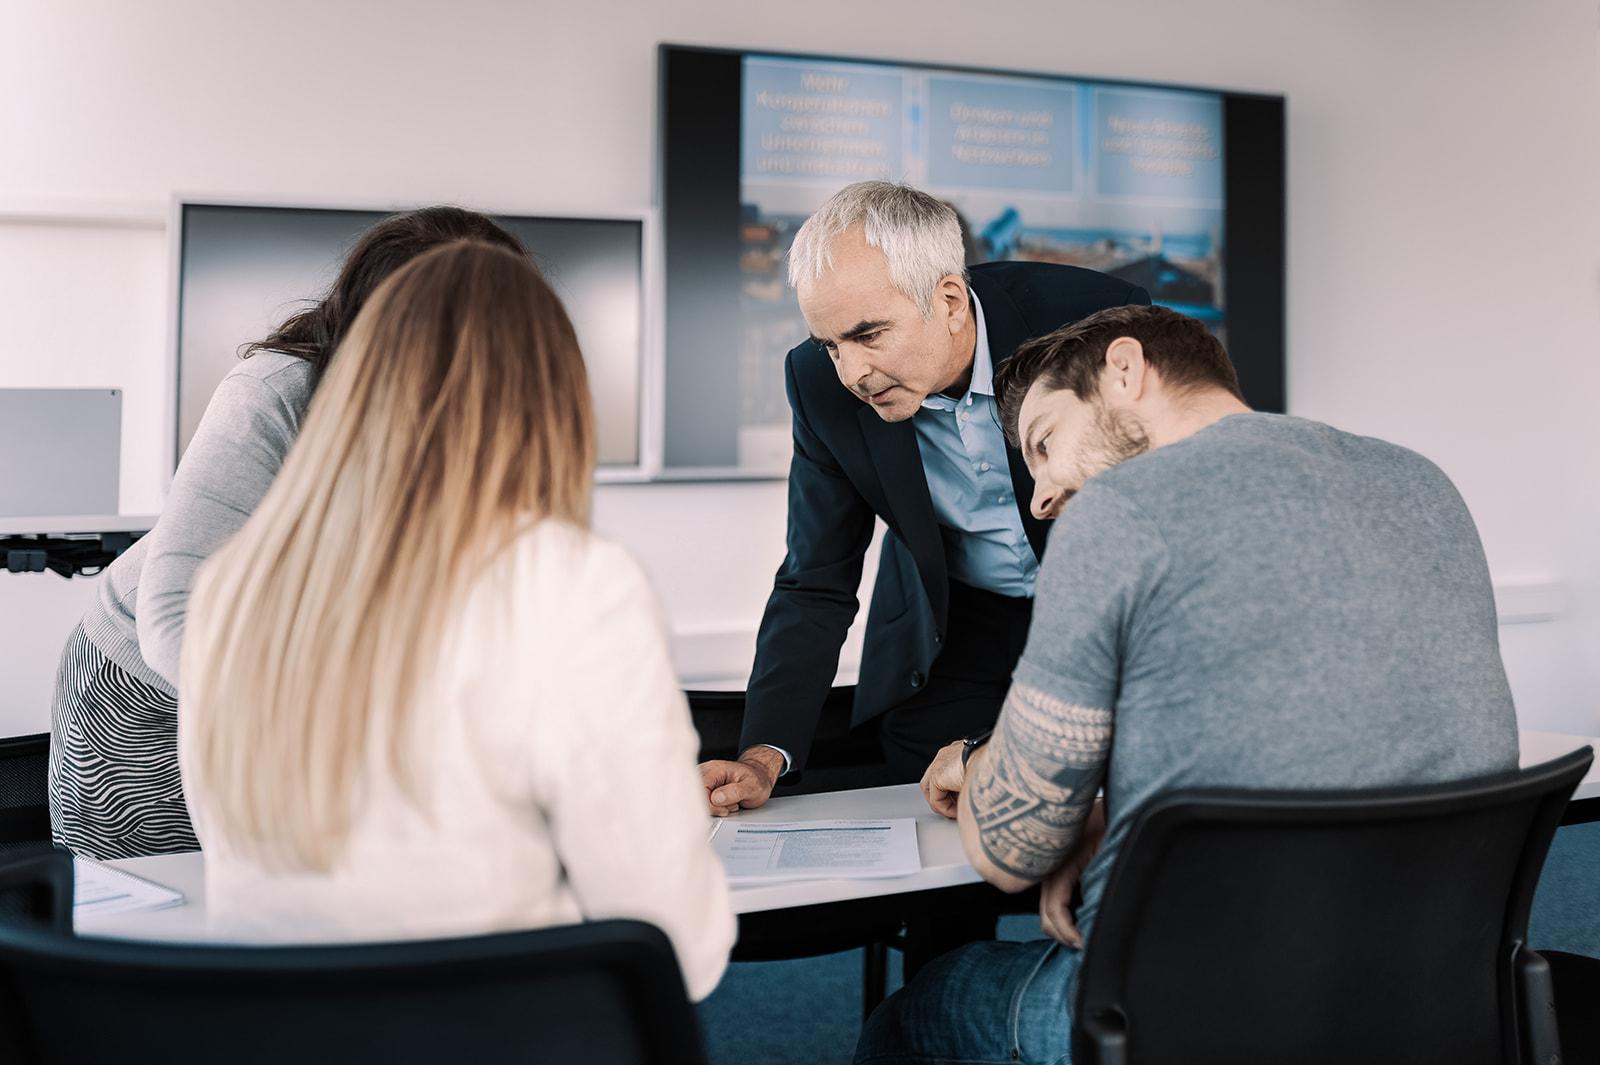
{"x": 942, "y": 783}
{"x": 744, "y": 784}
{"x": 1055, "y": 892}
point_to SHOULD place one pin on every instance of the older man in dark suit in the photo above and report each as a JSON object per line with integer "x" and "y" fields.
{"x": 913, "y": 437}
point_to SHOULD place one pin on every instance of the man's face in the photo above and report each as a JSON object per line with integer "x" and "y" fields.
{"x": 883, "y": 350}
{"x": 1066, "y": 441}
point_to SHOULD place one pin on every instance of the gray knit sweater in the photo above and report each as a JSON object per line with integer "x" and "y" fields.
{"x": 137, "y": 618}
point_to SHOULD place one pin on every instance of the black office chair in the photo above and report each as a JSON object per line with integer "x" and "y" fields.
{"x": 24, "y": 798}
{"x": 37, "y": 890}
{"x": 1577, "y": 986}
{"x": 1370, "y": 926}
{"x": 609, "y": 991}
{"x": 841, "y": 757}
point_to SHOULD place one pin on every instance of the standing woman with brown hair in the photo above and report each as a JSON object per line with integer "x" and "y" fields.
{"x": 114, "y": 787}
{"x": 419, "y": 698}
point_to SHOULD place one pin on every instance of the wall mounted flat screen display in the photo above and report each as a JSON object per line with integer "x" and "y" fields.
{"x": 241, "y": 270}
{"x": 1178, "y": 190}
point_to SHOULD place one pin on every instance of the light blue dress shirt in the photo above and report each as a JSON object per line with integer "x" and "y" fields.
{"x": 969, "y": 478}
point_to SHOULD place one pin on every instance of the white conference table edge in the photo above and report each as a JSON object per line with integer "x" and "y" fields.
{"x": 938, "y": 845}
{"x": 938, "y": 841}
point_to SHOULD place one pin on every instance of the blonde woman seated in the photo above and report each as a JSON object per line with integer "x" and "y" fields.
{"x": 418, "y": 698}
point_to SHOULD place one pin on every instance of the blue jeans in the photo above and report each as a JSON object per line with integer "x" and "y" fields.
{"x": 984, "y": 1004}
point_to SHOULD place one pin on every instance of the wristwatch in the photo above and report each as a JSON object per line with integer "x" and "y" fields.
{"x": 972, "y": 743}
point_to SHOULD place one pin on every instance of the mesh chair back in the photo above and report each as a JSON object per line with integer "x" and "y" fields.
{"x": 37, "y": 890}
{"x": 24, "y": 795}
{"x": 1376, "y": 926}
{"x": 841, "y": 756}
{"x": 609, "y": 991}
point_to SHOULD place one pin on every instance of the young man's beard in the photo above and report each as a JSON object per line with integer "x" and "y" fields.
{"x": 1118, "y": 437}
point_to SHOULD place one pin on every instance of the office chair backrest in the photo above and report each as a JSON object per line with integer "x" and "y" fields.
{"x": 841, "y": 757}
{"x": 1371, "y": 926}
{"x": 717, "y": 716}
{"x": 24, "y": 799}
{"x": 609, "y": 991}
{"x": 37, "y": 890}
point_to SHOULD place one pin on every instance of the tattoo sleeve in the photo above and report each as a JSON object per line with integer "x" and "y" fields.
{"x": 1034, "y": 788}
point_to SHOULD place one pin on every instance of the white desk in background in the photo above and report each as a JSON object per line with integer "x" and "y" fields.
{"x": 943, "y": 863}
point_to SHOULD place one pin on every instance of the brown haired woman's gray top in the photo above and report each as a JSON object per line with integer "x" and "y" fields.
{"x": 114, "y": 787}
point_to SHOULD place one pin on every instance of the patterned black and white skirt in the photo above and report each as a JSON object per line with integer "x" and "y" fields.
{"x": 114, "y": 785}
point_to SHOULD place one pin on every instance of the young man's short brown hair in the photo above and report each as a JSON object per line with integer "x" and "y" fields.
{"x": 1181, "y": 349}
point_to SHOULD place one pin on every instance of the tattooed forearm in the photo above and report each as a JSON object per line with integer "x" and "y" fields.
{"x": 1032, "y": 790}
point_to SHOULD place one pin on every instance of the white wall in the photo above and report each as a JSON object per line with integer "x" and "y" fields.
{"x": 1442, "y": 223}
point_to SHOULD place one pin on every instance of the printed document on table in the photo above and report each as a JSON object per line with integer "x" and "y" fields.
{"x": 99, "y": 889}
{"x": 762, "y": 851}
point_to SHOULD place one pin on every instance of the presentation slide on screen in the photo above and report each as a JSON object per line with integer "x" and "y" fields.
{"x": 1121, "y": 179}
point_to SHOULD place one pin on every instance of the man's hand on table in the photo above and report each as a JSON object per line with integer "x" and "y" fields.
{"x": 1055, "y": 891}
{"x": 942, "y": 783}
{"x": 744, "y": 784}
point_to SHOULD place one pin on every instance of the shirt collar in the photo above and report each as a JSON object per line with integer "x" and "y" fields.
{"x": 982, "y": 361}
{"x": 982, "y": 364}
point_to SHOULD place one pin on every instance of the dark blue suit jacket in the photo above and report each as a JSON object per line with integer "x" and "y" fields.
{"x": 849, "y": 466}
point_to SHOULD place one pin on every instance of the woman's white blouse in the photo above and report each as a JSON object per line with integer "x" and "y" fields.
{"x": 555, "y": 760}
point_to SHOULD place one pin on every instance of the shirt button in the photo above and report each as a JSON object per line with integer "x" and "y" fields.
{"x": 999, "y": 499}
{"x": 916, "y": 680}
{"x": 983, "y": 466}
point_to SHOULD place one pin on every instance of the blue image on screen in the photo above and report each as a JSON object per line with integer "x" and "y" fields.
{"x": 988, "y": 134}
{"x": 1156, "y": 145}
{"x": 1121, "y": 179}
{"x": 832, "y": 124}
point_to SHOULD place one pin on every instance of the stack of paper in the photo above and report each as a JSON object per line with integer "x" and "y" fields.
{"x": 99, "y": 889}
{"x": 759, "y": 852}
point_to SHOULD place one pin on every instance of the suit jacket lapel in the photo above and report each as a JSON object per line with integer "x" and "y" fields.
{"x": 1007, "y": 332}
{"x": 894, "y": 451}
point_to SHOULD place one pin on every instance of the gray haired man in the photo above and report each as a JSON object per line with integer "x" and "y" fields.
{"x": 895, "y": 418}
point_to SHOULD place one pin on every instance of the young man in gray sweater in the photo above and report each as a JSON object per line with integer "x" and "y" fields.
{"x": 1228, "y": 599}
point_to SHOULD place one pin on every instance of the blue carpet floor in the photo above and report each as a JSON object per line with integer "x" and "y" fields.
{"x": 805, "y": 1012}
{"x": 1566, "y": 908}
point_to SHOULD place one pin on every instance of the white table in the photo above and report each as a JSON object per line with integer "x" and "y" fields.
{"x": 943, "y": 863}
{"x": 1543, "y": 746}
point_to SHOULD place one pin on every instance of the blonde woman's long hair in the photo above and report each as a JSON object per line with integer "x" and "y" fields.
{"x": 454, "y": 416}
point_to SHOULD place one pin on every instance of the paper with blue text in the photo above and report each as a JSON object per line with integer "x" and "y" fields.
{"x": 758, "y": 852}
{"x": 99, "y": 889}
